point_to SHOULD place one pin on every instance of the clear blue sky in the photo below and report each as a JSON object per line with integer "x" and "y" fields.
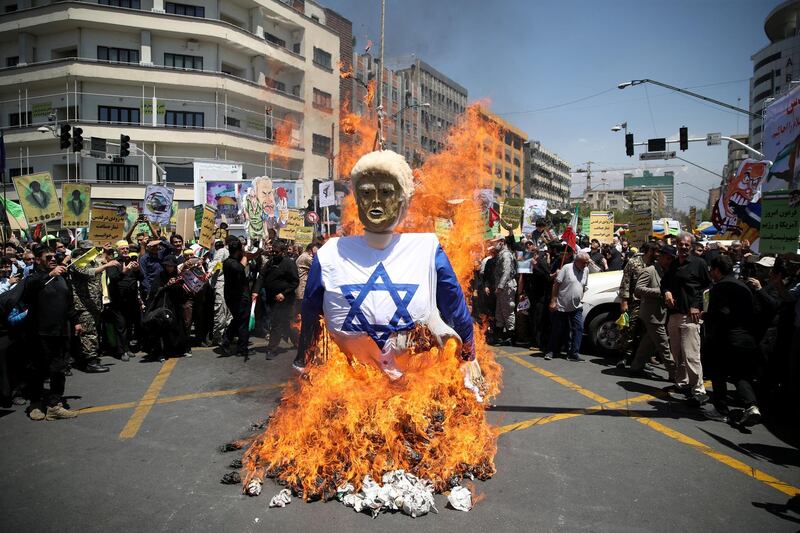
{"x": 529, "y": 55}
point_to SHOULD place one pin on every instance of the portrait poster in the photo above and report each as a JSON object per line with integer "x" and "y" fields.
{"x": 38, "y": 197}
{"x": 224, "y": 197}
{"x": 733, "y": 212}
{"x": 534, "y": 210}
{"x": 158, "y": 204}
{"x": 76, "y": 199}
{"x": 107, "y": 224}
{"x": 485, "y": 200}
{"x": 207, "y": 227}
{"x": 601, "y": 226}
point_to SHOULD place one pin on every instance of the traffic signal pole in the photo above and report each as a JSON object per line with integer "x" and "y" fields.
{"x": 750, "y": 149}
{"x": 159, "y": 168}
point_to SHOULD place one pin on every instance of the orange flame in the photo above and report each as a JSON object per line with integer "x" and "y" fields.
{"x": 345, "y": 71}
{"x": 283, "y": 141}
{"x": 345, "y": 420}
{"x": 370, "y": 96}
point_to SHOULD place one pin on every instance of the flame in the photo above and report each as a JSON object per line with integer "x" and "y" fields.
{"x": 345, "y": 419}
{"x": 345, "y": 71}
{"x": 283, "y": 141}
{"x": 370, "y": 96}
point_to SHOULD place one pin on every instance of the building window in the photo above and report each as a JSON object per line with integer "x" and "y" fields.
{"x": 296, "y": 48}
{"x": 117, "y": 115}
{"x": 314, "y": 17}
{"x": 762, "y": 95}
{"x": 274, "y": 40}
{"x": 321, "y": 145}
{"x": 180, "y": 174}
{"x": 131, "y": 4}
{"x": 12, "y": 61}
{"x": 322, "y": 58}
{"x": 275, "y": 84}
{"x": 13, "y": 119}
{"x": 184, "y": 119}
{"x": 10, "y": 8}
{"x": 14, "y": 172}
{"x": 766, "y": 61}
{"x": 185, "y": 9}
{"x": 232, "y": 121}
{"x": 322, "y": 100}
{"x": 128, "y": 173}
{"x": 183, "y": 61}
{"x": 122, "y": 55}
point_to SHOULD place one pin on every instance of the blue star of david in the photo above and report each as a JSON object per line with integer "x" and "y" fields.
{"x": 357, "y": 321}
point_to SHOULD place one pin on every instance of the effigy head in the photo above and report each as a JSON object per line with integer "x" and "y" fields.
{"x": 383, "y": 184}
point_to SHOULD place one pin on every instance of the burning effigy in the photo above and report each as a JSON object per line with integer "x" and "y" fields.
{"x": 395, "y": 380}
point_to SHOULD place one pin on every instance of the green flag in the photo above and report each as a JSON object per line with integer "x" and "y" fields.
{"x": 13, "y": 208}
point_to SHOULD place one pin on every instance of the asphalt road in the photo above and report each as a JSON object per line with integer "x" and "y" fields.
{"x": 582, "y": 448}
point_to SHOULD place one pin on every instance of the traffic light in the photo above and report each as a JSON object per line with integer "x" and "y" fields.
{"x": 124, "y": 145}
{"x": 77, "y": 139}
{"x": 629, "y": 144}
{"x": 684, "y": 138}
{"x": 65, "y": 137}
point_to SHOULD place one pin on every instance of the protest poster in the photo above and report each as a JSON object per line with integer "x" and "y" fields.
{"x": 294, "y": 221}
{"x": 158, "y": 204}
{"x": 173, "y": 215}
{"x": 640, "y": 227}
{"x": 304, "y": 235}
{"x": 601, "y": 226}
{"x": 534, "y": 210}
{"x": 193, "y": 278}
{"x": 327, "y": 194}
{"x": 511, "y": 215}
{"x": 76, "y": 198}
{"x": 781, "y": 141}
{"x": 692, "y": 218}
{"x": 38, "y": 198}
{"x": 207, "y": 227}
{"x": 484, "y": 198}
{"x": 185, "y": 226}
{"x": 780, "y": 222}
{"x": 107, "y": 224}
{"x": 585, "y": 226}
{"x": 735, "y": 213}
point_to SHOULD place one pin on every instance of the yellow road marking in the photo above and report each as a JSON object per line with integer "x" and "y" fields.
{"x": 148, "y": 400}
{"x": 182, "y": 397}
{"x": 558, "y": 379}
{"x": 721, "y": 457}
{"x": 608, "y": 406}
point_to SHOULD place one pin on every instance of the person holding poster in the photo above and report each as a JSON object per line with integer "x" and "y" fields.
{"x": 38, "y": 198}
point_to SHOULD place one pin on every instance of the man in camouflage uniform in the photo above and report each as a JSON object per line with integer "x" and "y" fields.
{"x": 630, "y": 336}
{"x": 505, "y": 288}
{"x": 88, "y": 298}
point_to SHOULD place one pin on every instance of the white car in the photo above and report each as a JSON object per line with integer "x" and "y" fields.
{"x": 601, "y": 310}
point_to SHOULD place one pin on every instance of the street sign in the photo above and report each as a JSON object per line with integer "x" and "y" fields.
{"x": 713, "y": 139}
{"x": 650, "y": 156}
{"x": 656, "y": 145}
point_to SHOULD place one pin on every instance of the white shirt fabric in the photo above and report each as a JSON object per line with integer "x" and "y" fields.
{"x": 571, "y": 286}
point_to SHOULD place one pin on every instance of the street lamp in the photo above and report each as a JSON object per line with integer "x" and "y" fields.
{"x": 621, "y": 126}
{"x": 631, "y": 83}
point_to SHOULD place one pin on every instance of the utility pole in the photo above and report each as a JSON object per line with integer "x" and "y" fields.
{"x": 588, "y": 176}
{"x": 380, "y": 80}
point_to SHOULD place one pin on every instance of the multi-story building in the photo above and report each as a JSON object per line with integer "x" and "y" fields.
{"x": 664, "y": 183}
{"x": 547, "y": 176}
{"x": 508, "y": 164}
{"x": 607, "y": 199}
{"x": 207, "y": 80}
{"x": 773, "y": 65}
{"x": 736, "y": 154}
{"x": 652, "y": 199}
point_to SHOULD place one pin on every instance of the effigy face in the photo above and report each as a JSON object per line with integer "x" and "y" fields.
{"x": 380, "y": 202}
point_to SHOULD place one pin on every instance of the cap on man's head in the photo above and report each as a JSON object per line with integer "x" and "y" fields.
{"x": 669, "y": 250}
{"x": 766, "y": 261}
{"x": 121, "y": 244}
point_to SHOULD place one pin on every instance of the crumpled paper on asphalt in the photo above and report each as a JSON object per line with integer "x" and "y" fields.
{"x": 460, "y": 498}
{"x": 401, "y": 491}
{"x": 254, "y": 487}
{"x": 282, "y": 499}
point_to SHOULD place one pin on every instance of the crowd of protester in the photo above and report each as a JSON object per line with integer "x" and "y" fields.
{"x": 701, "y": 310}
{"x": 64, "y": 308}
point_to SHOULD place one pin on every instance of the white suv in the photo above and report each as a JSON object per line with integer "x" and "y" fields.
{"x": 601, "y": 310}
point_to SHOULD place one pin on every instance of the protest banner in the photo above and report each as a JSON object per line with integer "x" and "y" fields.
{"x": 601, "y": 226}
{"x": 511, "y": 215}
{"x": 781, "y": 138}
{"x": 76, "y": 198}
{"x": 304, "y": 235}
{"x": 157, "y": 205}
{"x": 640, "y": 227}
{"x": 692, "y": 218}
{"x": 38, "y": 198}
{"x": 533, "y": 211}
{"x": 327, "y": 194}
{"x": 107, "y": 223}
{"x": 207, "y": 227}
{"x": 735, "y": 214}
{"x": 780, "y": 222}
{"x": 185, "y": 226}
{"x": 294, "y": 221}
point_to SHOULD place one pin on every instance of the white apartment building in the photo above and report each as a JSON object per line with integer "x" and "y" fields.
{"x": 547, "y": 176}
{"x": 202, "y": 80}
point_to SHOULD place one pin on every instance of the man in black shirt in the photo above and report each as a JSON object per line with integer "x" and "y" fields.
{"x": 52, "y": 318}
{"x": 279, "y": 279}
{"x": 237, "y": 298}
{"x": 683, "y": 286}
